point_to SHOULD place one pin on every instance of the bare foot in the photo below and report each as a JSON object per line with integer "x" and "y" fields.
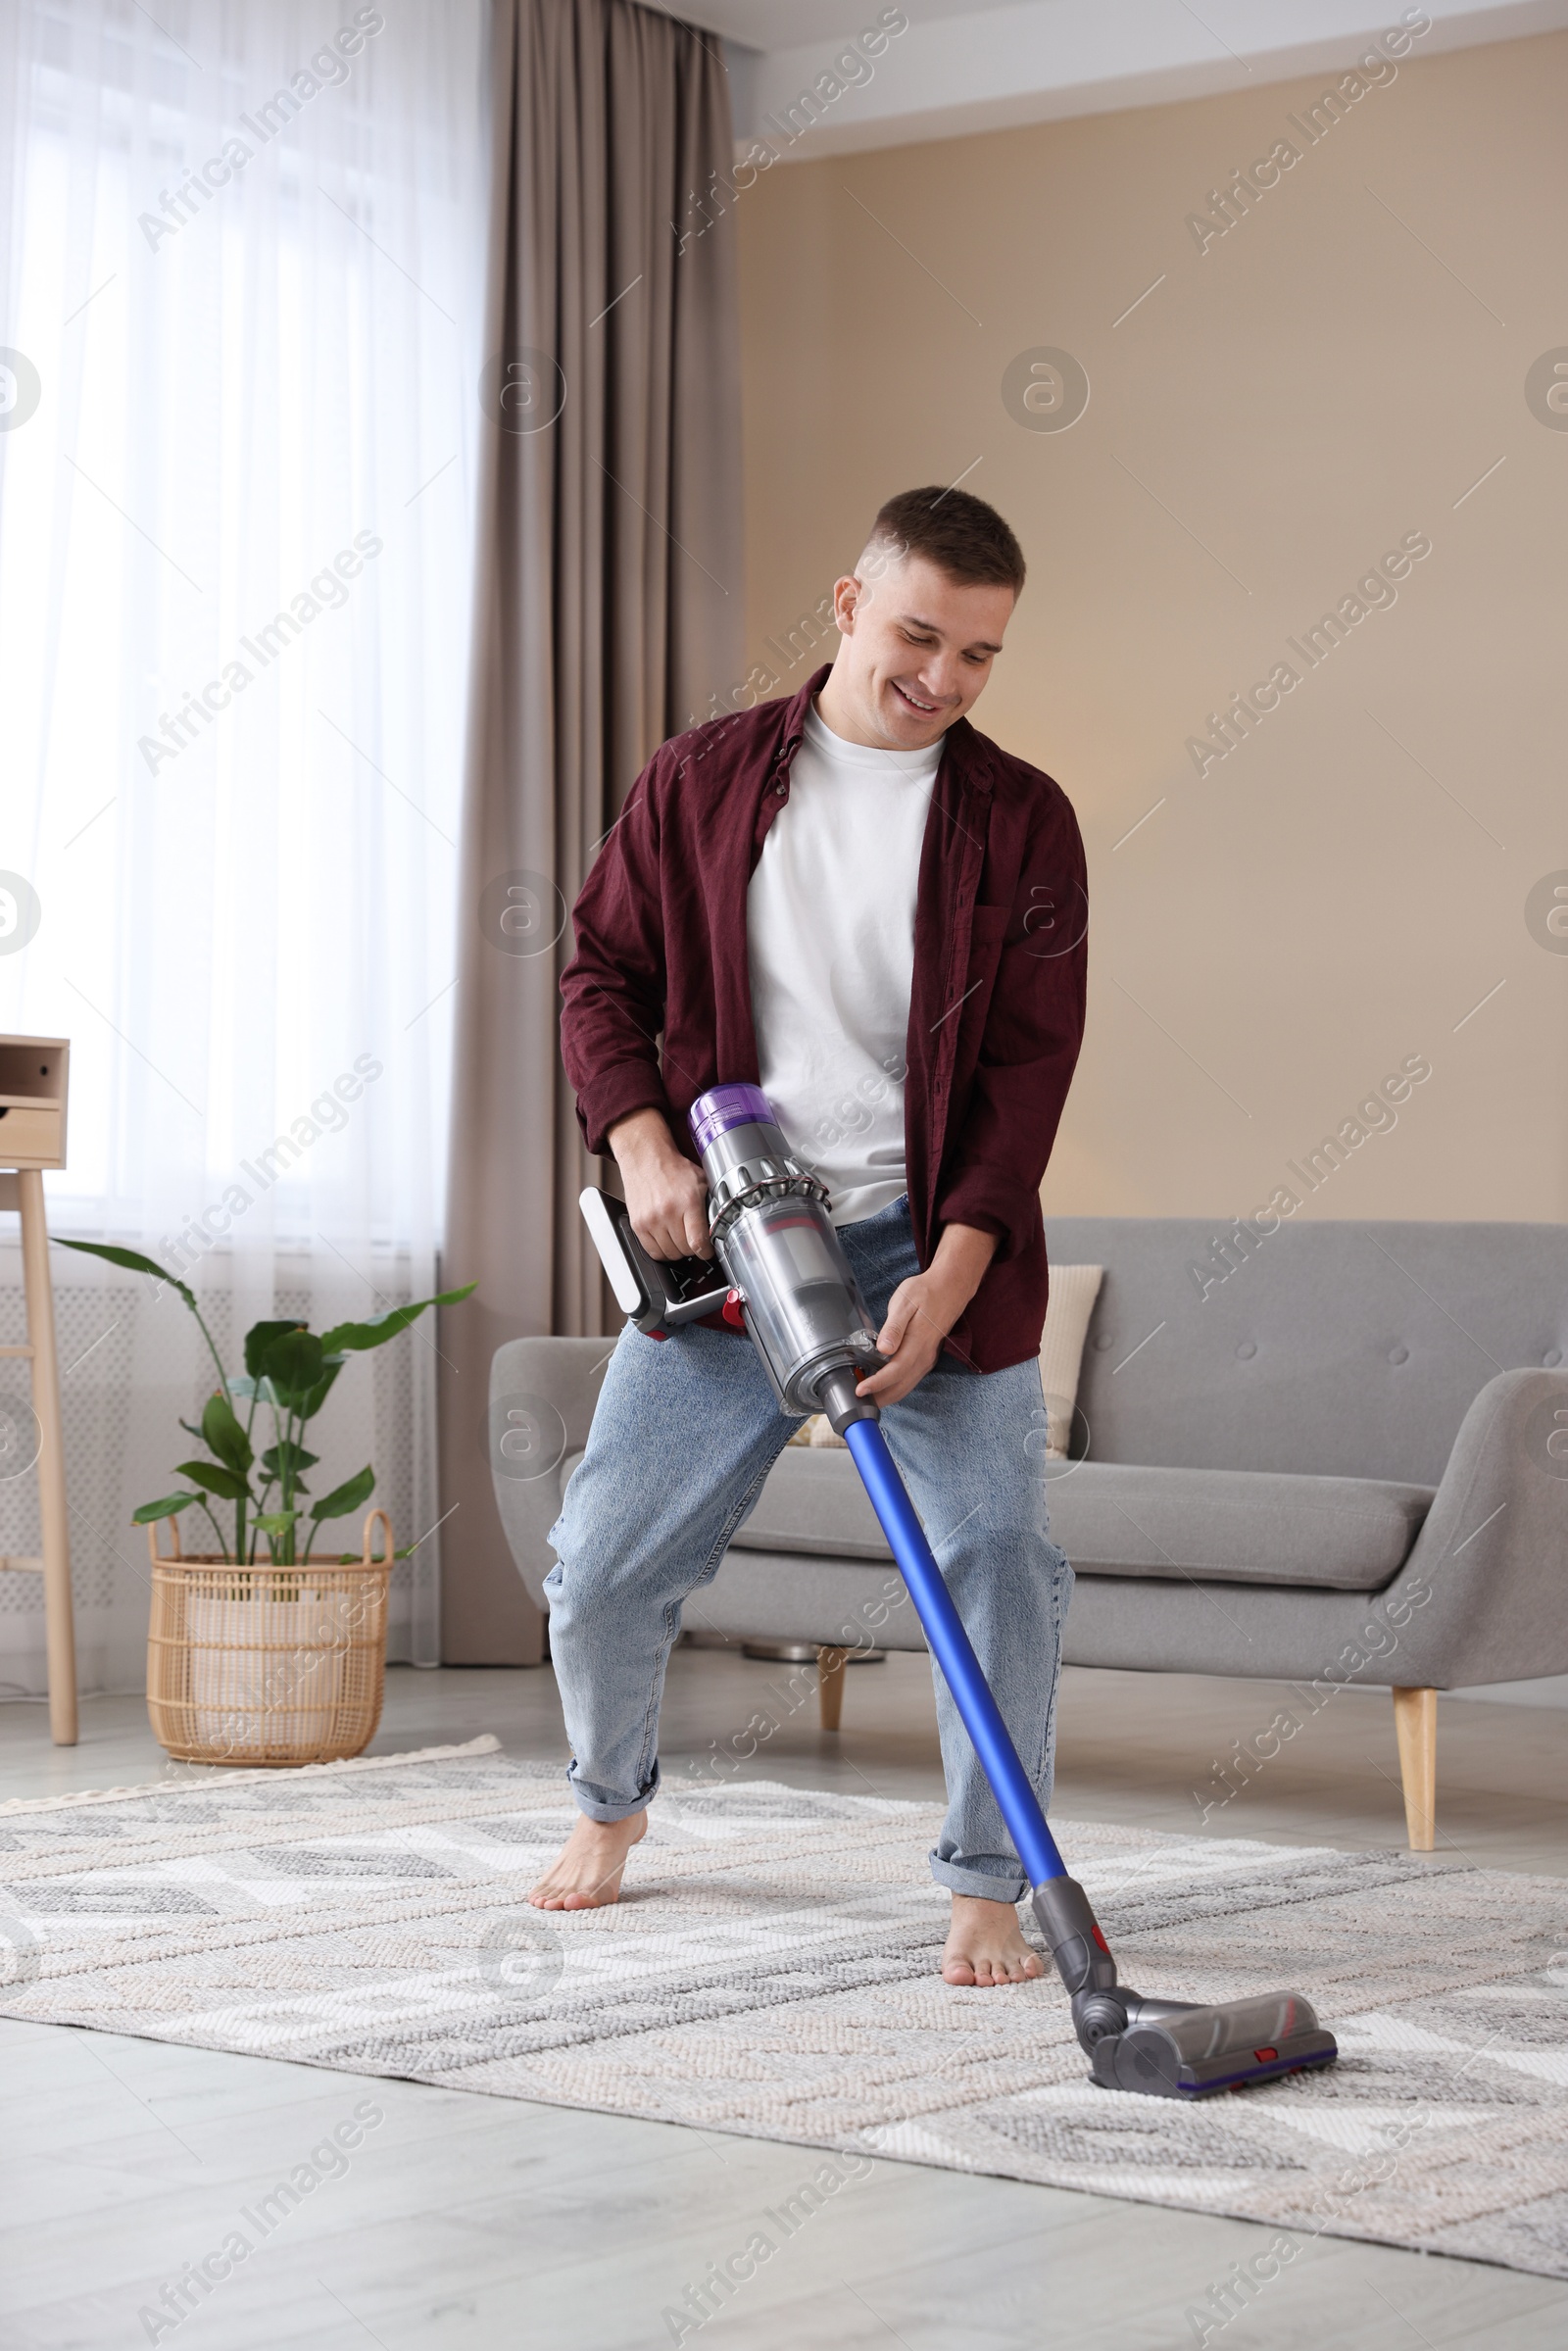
{"x": 984, "y": 1946}
{"x": 585, "y": 1874}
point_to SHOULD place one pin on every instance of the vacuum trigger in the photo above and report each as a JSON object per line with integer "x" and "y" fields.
{"x": 731, "y": 1312}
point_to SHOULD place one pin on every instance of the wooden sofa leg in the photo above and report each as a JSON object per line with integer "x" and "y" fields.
{"x": 830, "y": 1685}
{"x": 1415, "y": 1726}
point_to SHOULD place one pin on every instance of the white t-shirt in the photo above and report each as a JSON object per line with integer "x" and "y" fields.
{"x": 830, "y": 937}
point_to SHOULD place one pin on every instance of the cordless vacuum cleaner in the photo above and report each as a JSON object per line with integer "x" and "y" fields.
{"x": 788, "y": 1283}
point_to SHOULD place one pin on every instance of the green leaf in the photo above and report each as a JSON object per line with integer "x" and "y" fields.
{"x": 377, "y": 1329}
{"x": 132, "y": 1260}
{"x": 276, "y": 1522}
{"x": 245, "y": 1388}
{"x": 223, "y": 1434}
{"x": 292, "y": 1362}
{"x": 170, "y": 1507}
{"x": 191, "y": 1429}
{"x": 279, "y": 1460}
{"x": 259, "y": 1337}
{"x": 347, "y": 1496}
{"x": 212, "y": 1478}
{"x": 310, "y": 1404}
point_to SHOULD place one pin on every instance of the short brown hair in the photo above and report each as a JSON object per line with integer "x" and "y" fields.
{"x": 956, "y": 531}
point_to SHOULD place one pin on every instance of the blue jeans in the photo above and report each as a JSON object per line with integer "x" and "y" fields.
{"x": 686, "y": 1431}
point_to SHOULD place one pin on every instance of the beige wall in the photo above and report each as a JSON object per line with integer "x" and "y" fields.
{"x": 1319, "y": 382}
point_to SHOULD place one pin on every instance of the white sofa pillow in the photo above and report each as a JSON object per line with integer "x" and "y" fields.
{"x": 1073, "y": 1292}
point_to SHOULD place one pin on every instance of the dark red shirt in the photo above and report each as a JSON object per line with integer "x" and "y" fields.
{"x": 657, "y": 995}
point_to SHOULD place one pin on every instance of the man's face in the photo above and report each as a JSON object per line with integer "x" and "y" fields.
{"x": 916, "y": 648}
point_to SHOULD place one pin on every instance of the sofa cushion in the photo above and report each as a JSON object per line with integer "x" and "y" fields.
{"x": 1324, "y": 1346}
{"x": 813, "y": 1501}
{"x": 1073, "y": 1292}
{"x": 1240, "y": 1526}
{"x": 1113, "y": 1518}
{"x": 812, "y": 1504}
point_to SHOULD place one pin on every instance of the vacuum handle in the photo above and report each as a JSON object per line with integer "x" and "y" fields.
{"x": 658, "y": 1294}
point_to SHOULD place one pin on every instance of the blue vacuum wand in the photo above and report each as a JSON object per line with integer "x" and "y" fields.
{"x": 790, "y": 1286}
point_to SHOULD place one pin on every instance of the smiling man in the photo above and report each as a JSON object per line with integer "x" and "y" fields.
{"x": 851, "y": 898}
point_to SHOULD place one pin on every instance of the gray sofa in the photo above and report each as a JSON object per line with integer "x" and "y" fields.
{"x": 1332, "y": 1454}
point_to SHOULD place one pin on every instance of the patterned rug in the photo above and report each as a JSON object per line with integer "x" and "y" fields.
{"x": 771, "y": 1971}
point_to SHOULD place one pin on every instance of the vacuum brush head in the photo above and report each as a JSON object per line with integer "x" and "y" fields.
{"x": 1169, "y": 2050}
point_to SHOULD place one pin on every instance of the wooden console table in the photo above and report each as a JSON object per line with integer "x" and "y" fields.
{"x": 33, "y": 1137}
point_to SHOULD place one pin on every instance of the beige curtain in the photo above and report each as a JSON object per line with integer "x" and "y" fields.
{"x": 609, "y": 614}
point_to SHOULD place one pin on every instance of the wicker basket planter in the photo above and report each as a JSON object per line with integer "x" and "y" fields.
{"x": 263, "y": 1664}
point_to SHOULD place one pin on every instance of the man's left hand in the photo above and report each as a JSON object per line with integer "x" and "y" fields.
{"x": 923, "y": 1310}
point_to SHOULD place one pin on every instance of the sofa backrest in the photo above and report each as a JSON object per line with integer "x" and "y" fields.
{"x": 1353, "y": 1349}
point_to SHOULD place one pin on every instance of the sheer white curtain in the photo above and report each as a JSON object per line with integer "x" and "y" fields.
{"x": 242, "y": 246}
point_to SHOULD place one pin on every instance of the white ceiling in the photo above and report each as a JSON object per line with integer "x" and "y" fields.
{"x": 968, "y": 64}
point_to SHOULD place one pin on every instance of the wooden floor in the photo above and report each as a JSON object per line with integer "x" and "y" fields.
{"x": 464, "y": 2223}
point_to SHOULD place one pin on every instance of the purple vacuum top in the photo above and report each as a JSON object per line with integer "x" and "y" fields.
{"x": 724, "y": 1106}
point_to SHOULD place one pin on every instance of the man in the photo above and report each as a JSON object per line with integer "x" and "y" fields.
{"x": 851, "y": 898}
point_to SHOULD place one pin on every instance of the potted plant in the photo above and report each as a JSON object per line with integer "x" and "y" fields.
{"x": 268, "y": 1655}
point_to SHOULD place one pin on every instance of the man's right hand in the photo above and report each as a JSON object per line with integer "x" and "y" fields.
{"x": 666, "y": 1194}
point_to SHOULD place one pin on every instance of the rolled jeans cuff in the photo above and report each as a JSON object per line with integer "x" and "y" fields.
{"x": 976, "y": 1882}
{"x": 599, "y": 1805}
